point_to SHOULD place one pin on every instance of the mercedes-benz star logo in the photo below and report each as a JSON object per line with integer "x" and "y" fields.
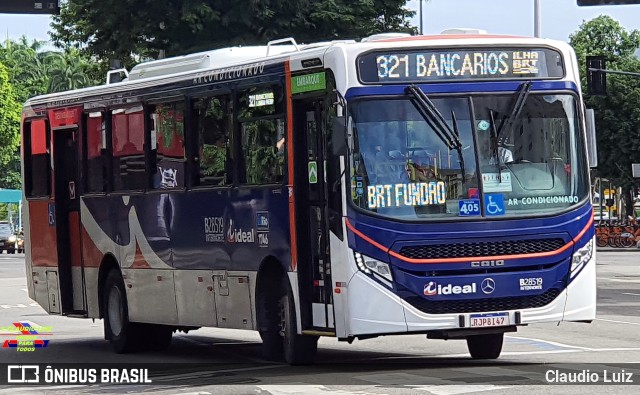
{"x": 488, "y": 285}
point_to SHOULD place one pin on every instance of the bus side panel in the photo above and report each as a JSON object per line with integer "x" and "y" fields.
{"x": 44, "y": 254}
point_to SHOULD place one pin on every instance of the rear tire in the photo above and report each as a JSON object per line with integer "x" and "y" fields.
{"x": 485, "y": 346}
{"x": 123, "y": 335}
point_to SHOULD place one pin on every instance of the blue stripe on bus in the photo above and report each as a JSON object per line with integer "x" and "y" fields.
{"x": 480, "y": 87}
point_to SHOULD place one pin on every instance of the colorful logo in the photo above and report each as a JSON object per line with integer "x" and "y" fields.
{"x": 25, "y": 336}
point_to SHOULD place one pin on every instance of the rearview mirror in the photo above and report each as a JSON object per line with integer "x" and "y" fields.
{"x": 592, "y": 148}
{"x": 338, "y": 137}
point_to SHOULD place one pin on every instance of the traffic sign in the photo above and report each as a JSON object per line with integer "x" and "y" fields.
{"x": 29, "y": 7}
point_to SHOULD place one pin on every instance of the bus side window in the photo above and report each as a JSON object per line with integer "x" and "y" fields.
{"x": 215, "y": 153}
{"x": 262, "y": 127}
{"x": 37, "y": 158}
{"x": 129, "y": 167}
{"x": 96, "y": 163}
{"x": 167, "y": 136}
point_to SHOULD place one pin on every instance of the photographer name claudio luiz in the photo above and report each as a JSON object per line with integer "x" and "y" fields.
{"x": 556, "y": 376}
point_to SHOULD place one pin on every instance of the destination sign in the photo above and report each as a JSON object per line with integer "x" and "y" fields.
{"x": 454, "y": 65}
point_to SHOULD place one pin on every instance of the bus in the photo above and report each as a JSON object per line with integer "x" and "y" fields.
{"x": 393, "y": 185}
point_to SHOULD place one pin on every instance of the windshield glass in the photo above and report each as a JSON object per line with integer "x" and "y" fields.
{"x": 510, "y": 163}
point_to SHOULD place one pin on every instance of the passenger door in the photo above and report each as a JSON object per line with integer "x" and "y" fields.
{"x": 67, "y": 203}
{"x": 314, "y": 273}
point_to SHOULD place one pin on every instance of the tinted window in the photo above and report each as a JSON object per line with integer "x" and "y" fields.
{"x": 167, "y": 135}
{"x": 37, "y": 159}
{"x": 128, "y": 149}
{"x": 262, "y": 127}
{"x": 96, "y": 160}
{"x": 213, "y": 118}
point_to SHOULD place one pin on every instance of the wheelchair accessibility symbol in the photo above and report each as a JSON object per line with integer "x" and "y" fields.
{"x": 494, "y": 204}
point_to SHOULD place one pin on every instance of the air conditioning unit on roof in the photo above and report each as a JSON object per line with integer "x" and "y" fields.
{"x": 464, "y": 30}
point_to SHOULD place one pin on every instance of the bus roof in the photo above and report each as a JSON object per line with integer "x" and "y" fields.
{"x": 186, "y": 67}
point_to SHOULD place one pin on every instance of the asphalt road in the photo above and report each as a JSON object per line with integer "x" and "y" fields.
{"x": 230, "y": 361}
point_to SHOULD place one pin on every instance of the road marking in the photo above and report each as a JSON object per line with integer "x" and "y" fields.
{"x": 618, "y": 322}
{"x": 458, "y": 389}
{"x": 404, "y": 378}
{"x": 304, "y": 389}
{"x": 629, "y": 293}
{"x": 19, "y": 305}
{"x": 622, "y": 280}
{"x": 40, "y": 389}
{"x": 182, "y": 376}
{"x": 548, "y": 342}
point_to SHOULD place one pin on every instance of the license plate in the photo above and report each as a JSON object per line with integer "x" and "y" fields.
{"x": 489, "y": 320}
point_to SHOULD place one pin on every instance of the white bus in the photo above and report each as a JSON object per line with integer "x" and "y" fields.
{"x": 395, "y": 185}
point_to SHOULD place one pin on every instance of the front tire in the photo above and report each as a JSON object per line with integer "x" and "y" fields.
{"x": 298, "y": 349}
{"x": 280, "y": 339}
{"x": 485, "y": 346}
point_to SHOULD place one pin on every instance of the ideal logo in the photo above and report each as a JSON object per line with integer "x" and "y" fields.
{"x": 262, "y": 220}
{"x": 214, "y": 229}
{"x": 263, "y": 239}
{"x": 432, "y": 289}
{"x": 239, "y": 235}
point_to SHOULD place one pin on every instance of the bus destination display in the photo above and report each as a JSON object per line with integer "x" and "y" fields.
{"x": 451, "y": 65}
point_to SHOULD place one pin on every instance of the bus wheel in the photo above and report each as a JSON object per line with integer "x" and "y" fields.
{"x": 298, "y": 349}
{"x": 485, "y": 346}
{"x": 123, "y": 335}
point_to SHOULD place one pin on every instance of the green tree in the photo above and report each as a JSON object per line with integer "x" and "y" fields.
{"x": 68, "y": 70}
{"x": 9, "y": 131}
{"x": 117, "y": 29}
{"x": 618, "y": 113}
{"x": 25, "y": 63}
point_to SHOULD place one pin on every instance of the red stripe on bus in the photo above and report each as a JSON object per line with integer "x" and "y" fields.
{"x": 139, "y": 261}
{"x": 289, "y": 146}
{"x": 467, "y": 259}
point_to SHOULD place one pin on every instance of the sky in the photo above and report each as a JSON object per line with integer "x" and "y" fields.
{"x": 559, "y": 18}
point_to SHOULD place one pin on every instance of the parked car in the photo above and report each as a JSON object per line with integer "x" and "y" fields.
{"x": 7, "y": 239}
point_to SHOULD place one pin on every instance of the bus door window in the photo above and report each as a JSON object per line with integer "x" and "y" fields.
{"x": 129, "y": 166}
{"x": 167, "y": 146}
{"x": 215, "y": 154}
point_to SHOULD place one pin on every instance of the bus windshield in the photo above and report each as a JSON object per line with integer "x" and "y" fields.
{"x": 515, "y": 154}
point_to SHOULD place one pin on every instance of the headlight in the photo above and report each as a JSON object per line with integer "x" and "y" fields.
{"x": 12, "y": 239}
{"x": 370, "y": 265}
{"x": 581, "y": 257}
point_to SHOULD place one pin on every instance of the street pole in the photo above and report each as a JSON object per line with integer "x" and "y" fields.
{"x": 420, "y": 12}
{"x": 536, "y": 18}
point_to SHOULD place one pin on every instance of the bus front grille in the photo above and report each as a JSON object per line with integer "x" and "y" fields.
{"x": 481, "y": 249}
{"x": 482, "y": 305}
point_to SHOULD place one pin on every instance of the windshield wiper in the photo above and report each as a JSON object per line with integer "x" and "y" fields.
{"x": 450, "y": 137}
{"x": 518, "y": 105}
{"x": 494, "y": 135}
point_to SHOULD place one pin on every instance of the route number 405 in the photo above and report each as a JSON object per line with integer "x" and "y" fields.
{"x": 469, "y": 207}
